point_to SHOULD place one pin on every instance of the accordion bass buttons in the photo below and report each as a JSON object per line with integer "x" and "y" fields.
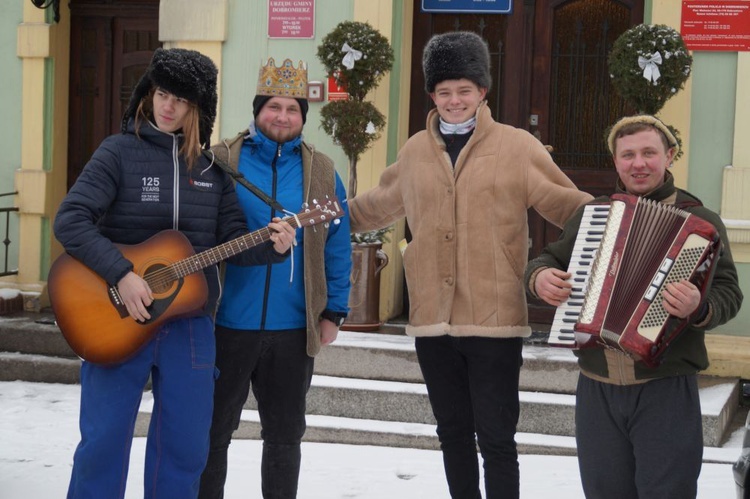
{"x": 666, "y": 265}
{"x": 658, "y": 280}
{"x": 651, "y": 292}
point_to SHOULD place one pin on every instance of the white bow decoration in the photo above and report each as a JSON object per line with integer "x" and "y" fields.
{"x": 350, "y": 56}
{"x": 649, "y": 66}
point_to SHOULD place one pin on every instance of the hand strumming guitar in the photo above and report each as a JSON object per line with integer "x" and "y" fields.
{"x": 136, "y": 295}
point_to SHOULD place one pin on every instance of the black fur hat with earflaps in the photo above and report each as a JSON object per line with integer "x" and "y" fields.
{"x": 456, "y": 55}
{"x": 184, "y": 73}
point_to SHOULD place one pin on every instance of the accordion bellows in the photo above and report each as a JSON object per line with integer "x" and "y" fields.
{"x": 644, "y": 246}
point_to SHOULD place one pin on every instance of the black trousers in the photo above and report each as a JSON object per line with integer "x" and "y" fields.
{"x": 276, "y": 365}
{"x": 639, "y": 441}
{"x": 472, "y": 384}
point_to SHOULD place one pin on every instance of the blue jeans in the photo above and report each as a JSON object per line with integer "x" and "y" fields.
{"x": 180, "y": 361}
{"x": 276, "y": 365}
{"x": 472, "y": 383}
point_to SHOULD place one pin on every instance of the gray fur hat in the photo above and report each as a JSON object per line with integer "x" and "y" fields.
{"x": 456, "y": 55}
{"x": 184, "y": 73}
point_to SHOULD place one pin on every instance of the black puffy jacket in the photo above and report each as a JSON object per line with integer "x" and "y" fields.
{"x": 137, "y": 186}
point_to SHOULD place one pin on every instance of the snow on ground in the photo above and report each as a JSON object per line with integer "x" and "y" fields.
{"x": 39, "y": 432}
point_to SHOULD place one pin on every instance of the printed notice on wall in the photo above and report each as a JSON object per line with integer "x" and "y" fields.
{"x": 716, "y": 25}
{"x": 291, "y": 18}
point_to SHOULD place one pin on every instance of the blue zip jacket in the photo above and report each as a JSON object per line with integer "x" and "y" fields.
{"x": 276, "y": 302}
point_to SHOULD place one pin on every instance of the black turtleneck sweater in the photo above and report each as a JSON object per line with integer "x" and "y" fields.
{"x": 454, "y": 143}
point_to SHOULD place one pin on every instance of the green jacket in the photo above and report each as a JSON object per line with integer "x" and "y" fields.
{"x": 687, "y": 354}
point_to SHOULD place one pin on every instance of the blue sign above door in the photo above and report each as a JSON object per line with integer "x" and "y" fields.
{"x": 468, "y": 6}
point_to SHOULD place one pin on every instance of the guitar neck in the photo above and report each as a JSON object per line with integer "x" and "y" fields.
{"x": 330, "y": 210}
{"x": 220, "y": 253}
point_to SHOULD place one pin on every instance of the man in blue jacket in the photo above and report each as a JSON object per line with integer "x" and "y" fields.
{"x": 272, "y": 321}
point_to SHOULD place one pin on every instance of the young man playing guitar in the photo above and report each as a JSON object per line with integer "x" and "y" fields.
{"x": 151, "y": 178}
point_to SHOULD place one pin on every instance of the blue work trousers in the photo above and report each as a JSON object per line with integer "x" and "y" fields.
{"x": 180, "y": 360}
{"x": 472, "y": 383}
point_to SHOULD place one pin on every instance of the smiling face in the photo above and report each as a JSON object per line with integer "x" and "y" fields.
{"x": 169, "y": 111}
{"x": 280, "y": 119}
{"x": 457, "y": 100}
{"x": 641, "y": 160}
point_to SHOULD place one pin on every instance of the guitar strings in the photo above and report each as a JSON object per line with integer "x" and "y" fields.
{"x": 164, "y": 276}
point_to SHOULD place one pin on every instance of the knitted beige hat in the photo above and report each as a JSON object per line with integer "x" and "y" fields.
{"x": 646, "y": 119}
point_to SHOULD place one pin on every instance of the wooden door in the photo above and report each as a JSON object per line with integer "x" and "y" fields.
{"x": 549, "y": 71}
{"x": 110, "y": 47}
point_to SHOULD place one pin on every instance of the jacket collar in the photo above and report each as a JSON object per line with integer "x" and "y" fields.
{"x": 661, "y": 193}
{"x": 266, "y": 147}
{"x": 484, "y": 120}
{"x": 150, "y": 132}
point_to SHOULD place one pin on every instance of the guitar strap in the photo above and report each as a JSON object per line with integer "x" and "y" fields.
{"x": 240, "y": 178}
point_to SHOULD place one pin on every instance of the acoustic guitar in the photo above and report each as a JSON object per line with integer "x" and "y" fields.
{"x": 91, "y": 315}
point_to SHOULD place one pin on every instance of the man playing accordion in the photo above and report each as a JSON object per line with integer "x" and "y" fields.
{"x": 638, "y": 428}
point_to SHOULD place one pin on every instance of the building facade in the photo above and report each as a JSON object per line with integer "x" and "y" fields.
{"x": 66, "y": 83}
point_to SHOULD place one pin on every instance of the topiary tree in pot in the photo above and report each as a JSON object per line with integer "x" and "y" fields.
{"x": 358, "y": 57}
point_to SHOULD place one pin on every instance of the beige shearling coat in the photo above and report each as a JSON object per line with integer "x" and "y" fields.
{"x": 466, "y": 261}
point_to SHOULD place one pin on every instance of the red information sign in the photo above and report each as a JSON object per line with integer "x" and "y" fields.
{"x": 716, "y": 25}
{"x": 336, "y": 91}
{"x": 291, "y": 18}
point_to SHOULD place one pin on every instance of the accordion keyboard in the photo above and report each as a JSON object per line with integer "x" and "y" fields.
{"x": 584, "y": 252}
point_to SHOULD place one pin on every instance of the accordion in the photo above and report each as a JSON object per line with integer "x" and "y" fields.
{"x": 624, "y": 256}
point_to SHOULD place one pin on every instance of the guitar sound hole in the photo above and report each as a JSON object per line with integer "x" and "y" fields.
{"x": 159, "y": 278}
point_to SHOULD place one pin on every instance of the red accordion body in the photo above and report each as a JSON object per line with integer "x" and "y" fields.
{"x": 645, "y": 246}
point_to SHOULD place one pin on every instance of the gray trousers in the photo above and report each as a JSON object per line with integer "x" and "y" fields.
{"x": 640, "y": 441}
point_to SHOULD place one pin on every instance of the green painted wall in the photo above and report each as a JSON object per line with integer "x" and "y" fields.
{"x": 740, "y": 325}
{"x": 397, "y": 40}
{"x": 248, "y": 47}
{"x": 714, "y": 80}
{"x": 10, "y": 106}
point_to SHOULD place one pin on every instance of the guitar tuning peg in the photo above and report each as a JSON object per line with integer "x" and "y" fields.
{"x": 336, "y": 222}
{"x": 305, "y": 206}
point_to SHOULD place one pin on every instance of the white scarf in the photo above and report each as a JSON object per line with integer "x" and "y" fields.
{"x": 458, "y": 128}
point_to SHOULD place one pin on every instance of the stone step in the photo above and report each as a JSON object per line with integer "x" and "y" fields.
{"x": 328, "y": 429}
{"x": 369, "y": 376}
{"x": 386, "y": 357}
{"x": 389, "y": 357}
{"x": 39, "y": 368}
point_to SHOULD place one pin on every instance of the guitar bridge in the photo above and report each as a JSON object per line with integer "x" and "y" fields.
{"x": 116, "y": 299}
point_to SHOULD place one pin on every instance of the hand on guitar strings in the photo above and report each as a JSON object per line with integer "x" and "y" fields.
{"x": 551, "y": 285}
{"x": 136, "y": 295}
{"x": 282, "y": 235}
{"x": 681, "y": 298}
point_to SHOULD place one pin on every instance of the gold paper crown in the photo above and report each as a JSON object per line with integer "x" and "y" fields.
{"x": 284, "y": 81}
